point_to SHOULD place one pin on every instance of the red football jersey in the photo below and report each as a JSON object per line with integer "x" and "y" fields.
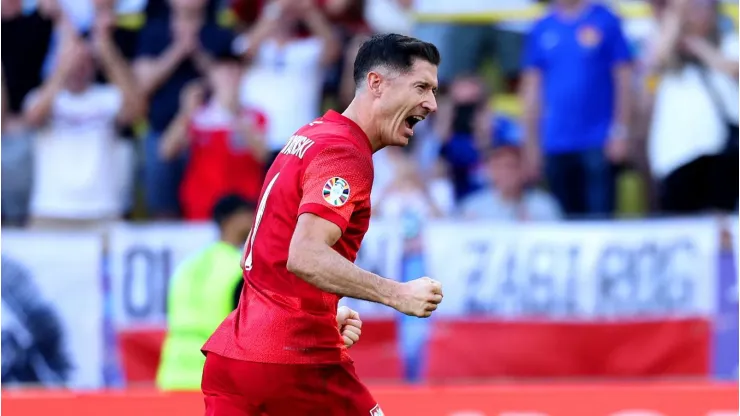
{"x": 220, "y": 162}
{"x": 326, "y": 169}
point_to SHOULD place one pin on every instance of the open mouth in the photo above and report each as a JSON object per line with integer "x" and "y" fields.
{"x": 412, "y": 120}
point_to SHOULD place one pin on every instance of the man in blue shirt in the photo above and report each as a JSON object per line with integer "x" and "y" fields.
{"x": 576, "y": 88}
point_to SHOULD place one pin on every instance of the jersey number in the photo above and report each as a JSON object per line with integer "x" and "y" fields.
{"x": 257, "y": 220}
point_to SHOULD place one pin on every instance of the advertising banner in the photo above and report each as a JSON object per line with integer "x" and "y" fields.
{"x": 142, "y": 259}
{"x": 629, "y": 298}
{"x": 598, "y": 399}
{"x": 576, "y": 271}
{"x": 52, "y": 309}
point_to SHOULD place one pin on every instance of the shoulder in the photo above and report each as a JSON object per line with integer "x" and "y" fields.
{"x": 482, "y": 197}
{"x": 333, "y": 137}
{"x": 542, "y": 24}
{"x": 605, "y": 15}
{"x": 541, "y": 198}
{"x": 337, "y": 148}
{"x": 539, "y": 195}
{"x": 255, "y": 116}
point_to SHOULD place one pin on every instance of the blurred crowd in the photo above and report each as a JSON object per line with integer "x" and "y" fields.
{"x": 158, "y": 108}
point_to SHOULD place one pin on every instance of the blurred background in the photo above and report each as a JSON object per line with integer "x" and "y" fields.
{"x": 576, "y": 193}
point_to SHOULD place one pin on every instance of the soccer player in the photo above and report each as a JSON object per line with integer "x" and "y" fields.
{"x": 280, "y": 353}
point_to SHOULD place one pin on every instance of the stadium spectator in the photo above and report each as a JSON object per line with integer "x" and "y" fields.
{"x": 347, "y": 14}
{"x": 22, "y": 61}
{"x": 284, "y": 64}
{"x": 347, "y": 78}
{"x": 507, "y": 198}
{"x": 410, "y": 201}
{"x": 21, "y": 72}
{"x": 173, "y": 50}
{"x": 125, "y": 36}
{"x": 576, "y": 90}
{"x": 17, "y": 165}
{"x": 77, "y": 121}
{"x": 225, "y": 141}
{"x": 407, "y": 194}
{"x": 463, "y": 124}
{"x": 203, "y": 291}
{"x": 693, "y": 141}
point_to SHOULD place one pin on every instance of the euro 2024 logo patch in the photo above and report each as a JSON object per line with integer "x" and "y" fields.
{"x": 336, "y": 191}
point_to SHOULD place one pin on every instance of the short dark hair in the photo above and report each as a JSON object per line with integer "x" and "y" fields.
{"x": 228, "y": 205}
{"x": 394, "y": 51}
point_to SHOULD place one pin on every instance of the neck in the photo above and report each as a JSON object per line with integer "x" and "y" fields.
{"x": 192, "y": 14}
{"x": 571, "y": 8}
{"x": 227, "y": 100}
{"x": 359, "y": 112}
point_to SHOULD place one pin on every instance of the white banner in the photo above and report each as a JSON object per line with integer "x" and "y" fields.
{"x": 142, "y": 260}
{"x": 52, "y": 309}
{"x": 572, "y": 270}
{"x": 381, "y": 253}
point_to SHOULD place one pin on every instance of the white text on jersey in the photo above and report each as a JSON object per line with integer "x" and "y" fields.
{"x": 297, "y": 146}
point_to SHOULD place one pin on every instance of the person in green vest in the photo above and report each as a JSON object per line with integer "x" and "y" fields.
{"x": 203, "y": 291}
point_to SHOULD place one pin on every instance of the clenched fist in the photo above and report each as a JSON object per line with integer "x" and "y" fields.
{"x": 419, "y": 297}
{"x": 349, "y": 324}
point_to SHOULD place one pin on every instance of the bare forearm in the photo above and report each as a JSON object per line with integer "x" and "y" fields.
{"x": 623, "y": 78}
{"x": 120, "y": 75}
{"x": 202, "y": 61}
{"x": 665, "y": 48}
{"x": 713, "y": 58}
{"x": 151, "y": 74}
{"x": 326, "y": 269}
{"x": 531, "y": 117}
{"x": 258, "y": 146}
{"x": 38, "y": 112}
{"x": 175, "y": 137}
{"x": 320, "y": 27}
{"x": 253, "y": 39}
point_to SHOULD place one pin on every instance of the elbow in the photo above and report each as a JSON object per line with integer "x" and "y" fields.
{"x": 166, "y": 151}
{"x": 134, "y": 110}
{"x": 296, "y": 263}
{"x": 139, "y": 106}
{"x": 302, "y": 261}
{"x": 33, "y": 119}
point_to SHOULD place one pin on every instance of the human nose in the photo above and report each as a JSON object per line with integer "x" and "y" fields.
{"x": 430, "y": 104}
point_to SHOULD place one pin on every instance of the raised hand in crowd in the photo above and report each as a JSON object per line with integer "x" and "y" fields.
{"x": 116, "y": 68}
{"x": 709, "y": 54}
{"x": 152, "y": 72}
{"x": 175, "y": 139}
{"x": 72, "y": 53}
